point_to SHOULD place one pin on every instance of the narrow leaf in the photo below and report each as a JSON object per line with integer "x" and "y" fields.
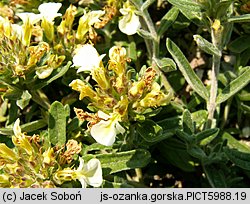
{"x": 240, "y": 44}
{"x": 206, "y": 46}
{"x": 187, "y": 122}
{"x": 57, "y": 124}
{"x": 150, "y": 131}
{"x": 215, "y": 176}
{"x": 234, "y": 86}
{"x": 206, "y": 136}
{"x": 184, "y": 66}
{"x": 146, "y": 4}
{"x": 239, "y": 19}
{"x": 166, "y": 64}
{"x": 145, "y": 34}
{"x": 167, "y": 20}
{"x": 27, "y": 127}
{"x": 234, "y": 143}
{"x": 59, "y": 72}
{"x": 187, "y": 5}
{"x": 240, "y": 159}
{"x": 115, "y": 162}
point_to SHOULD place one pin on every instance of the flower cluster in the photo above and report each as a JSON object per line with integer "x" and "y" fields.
{"x": 31, "y": 164}
{"x": 117, "y": 98}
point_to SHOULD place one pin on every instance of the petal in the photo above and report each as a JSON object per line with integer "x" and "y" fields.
{"x": 119, "y": 128}
{"x": 49, "y": 10}
{"x": 81, "y": 165}
{"x": 103, "y": 115}
{"x": 16, "y": 128}
{"x": 104, "y": 132}
{"x": 83, "y": 182}
{"x": 43, "y": 73}
{"x": 94, "y": 16}
{"x": 86, "y": 57}
{"x": 129, "y": 24}
{"x": 33, "y": 18}
{"x": 94, "y": 174}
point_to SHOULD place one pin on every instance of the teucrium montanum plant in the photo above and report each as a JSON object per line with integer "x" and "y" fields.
{"x": 116, "y": 98}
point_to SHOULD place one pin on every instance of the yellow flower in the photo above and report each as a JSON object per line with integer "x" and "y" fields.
{"x": 84, "y": 89}
{"x": 87, "y": 21}
{"x": 129, "y": 23}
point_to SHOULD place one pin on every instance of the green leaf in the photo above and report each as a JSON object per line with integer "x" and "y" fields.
{"x": 27, "y": 127}
{"x": 185, "y": 136}
{"x": 196, "y": 152}
{"x": 206, "y": 46}
{"x": 132, "y": 51}
{"x": 187, "y": 5}
{"x": 108, "y": 184}
{"x": 24, "y": 100}
{"x": 167, "y": 20}
{"x": 145, "y": 34}
{"x": 174, "y": 151}
{"x": 116, "y": 162}
{"x": 239, "y": 19}
{"x": 206, "y": 136}
{"x": 234, "y": 86}
{"x": 165, "y": 64}
{"x": 187, "y": 122}
{"x": 57, "y": 124}
{"x": 199, "y": 118}
{"x": 234, "y": 143}
{"x": 240, "y": 44}
{"x": 151, "y": 131}
{"x": 59, "y": 72}
{"x": 215, "y": 176}
{"x": 146, "y": 4}
{"x": 240, "y": 159}
{"x": 184, "y": 66}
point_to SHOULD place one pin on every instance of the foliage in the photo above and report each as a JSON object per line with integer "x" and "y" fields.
{"x": 124, "y": 93}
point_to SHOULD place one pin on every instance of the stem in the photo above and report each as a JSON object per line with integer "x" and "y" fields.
{"x": 216, "y": 38}
{"x": 153, "y": 46}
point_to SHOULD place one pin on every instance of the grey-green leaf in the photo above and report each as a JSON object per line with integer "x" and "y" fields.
{"x": 240, "y": 44}
{"x": 27, "y": 127}
{"x": 206, "y": 136}
{"x": 59, "y": 72}
{"x": 184, "y": 66}
{"x": 187, "y": 122}
{"x": 187, "y": 5}
{"x": 234, "y": 86}
{"x": 57, "y": 124}
{"x": 146, "y": 4}
{"x": 145, "y": 34}
{"x": 116, "y": 162}
{"x": 206, "y": 46}
{"x": 239, "y": 19}
{"x": 24, "y": 100}
{"x": 167, "y": 20}
{"x": 165, "y": 64}
{"x": 240, "y": 159}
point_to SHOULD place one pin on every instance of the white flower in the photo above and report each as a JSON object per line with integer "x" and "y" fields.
{"x": 90, "y": 173}
{"x": 105, "y": 131}
{"x": 49, "y": 10}
{"x": 32, "y": 17}
{"x": 87, "y": 58}
{"x": 129, "y": 23}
